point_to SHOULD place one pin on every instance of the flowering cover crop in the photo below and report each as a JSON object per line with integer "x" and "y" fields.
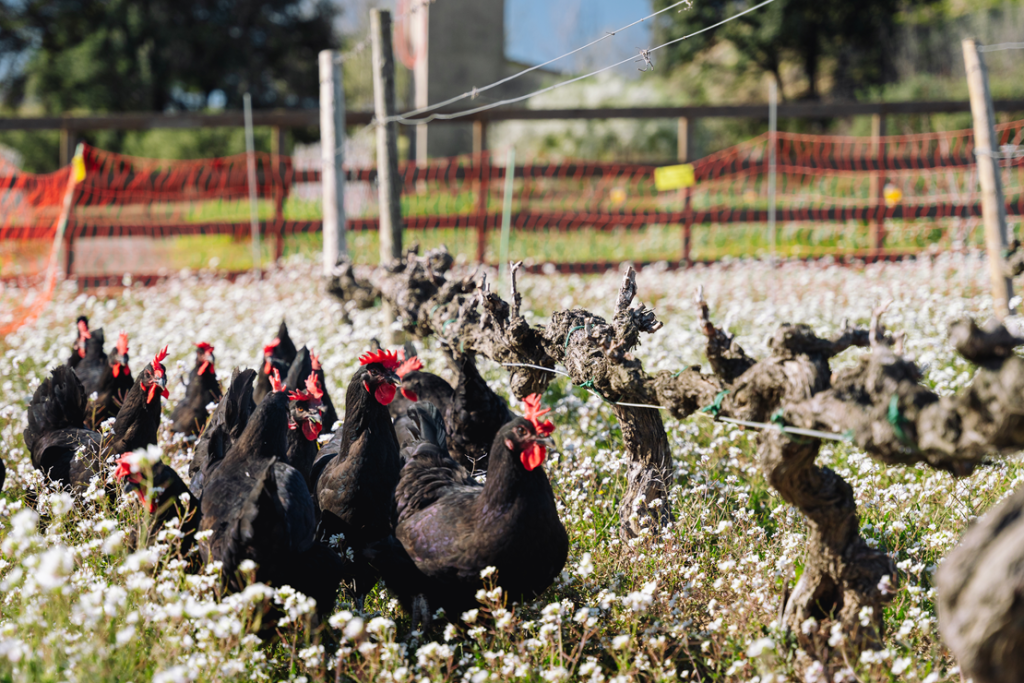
{"x": 84, "y": 595}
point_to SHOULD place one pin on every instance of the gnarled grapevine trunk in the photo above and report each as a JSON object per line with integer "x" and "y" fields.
{"x": 879, "y": 403}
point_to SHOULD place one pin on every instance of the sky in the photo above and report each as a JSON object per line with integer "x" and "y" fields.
{"x": 539, "y": 30}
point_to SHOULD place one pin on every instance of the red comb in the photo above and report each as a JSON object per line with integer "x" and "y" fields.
{"x": 204, "y": 347}
{"x": 269, "y": 348}
{"x": 408, "y": 366}
{"x": 157, "y": 359}
{"x": 122, "y": 342}
{"x": 313, "y": 391}
{"x": 275, "y": 381}
{"x": 533, "y": 413}
{"x": 315, "y": 360}
{"x": 389, "y": 359}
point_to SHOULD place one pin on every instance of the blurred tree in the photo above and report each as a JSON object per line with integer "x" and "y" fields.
{"x": 155, "y": 55}
{"x": 854, "y": 38}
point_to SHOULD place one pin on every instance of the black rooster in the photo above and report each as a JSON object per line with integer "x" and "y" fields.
{"x": 161, "y": 492}
{"x": 305, "y": 422}
{"x": 354, "y": 487}
{"x": 114, "y": 386}
{"x": 203, "y": 388}
{"x": 450, "y": 527}
{"x": 306, "y": 362}
{"x": 82, "y": 336}
{"x": 474, "y": 415}
{"x": 259, "y": 508}
{"x": 225, "y": 427}
{"x": 139, "y": 418}
{"x": 60, "y": 445}
{"x": 279, "y": 354}
{"x": 420, "y": 386}
{"x": 94, "y": 364}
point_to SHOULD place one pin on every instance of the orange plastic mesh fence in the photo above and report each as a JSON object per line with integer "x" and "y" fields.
{"x": 30, "y": 208}
{"x": 918, "y": 184}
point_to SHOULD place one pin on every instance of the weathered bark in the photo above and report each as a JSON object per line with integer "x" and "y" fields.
{"x": 879, "y": 403}
{"x": 842, "y": 574}
{"x": 470, "y": 318}
{"x": 981, "y": 596}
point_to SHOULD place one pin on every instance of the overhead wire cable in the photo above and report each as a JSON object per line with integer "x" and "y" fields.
{"x": 476, "y": 91}
{"x": 405, "y": 120}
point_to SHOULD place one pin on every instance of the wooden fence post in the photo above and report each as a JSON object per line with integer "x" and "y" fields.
{"x": 332, "y": 158}
{"x": 877, "y": 187}
{"x": 993, "y": 206}
{"x": 482, "y": 199}
{"x": 67, "y": 145}
{"x": 684, "y": 152}
{"x": 388, "y": 183}
{"x": 479, "y": 137}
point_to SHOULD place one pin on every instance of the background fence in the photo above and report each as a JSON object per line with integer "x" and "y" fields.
{"x": 864, "y": 198}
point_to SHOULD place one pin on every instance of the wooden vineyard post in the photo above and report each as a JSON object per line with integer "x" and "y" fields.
{"x": 993, "y": 207}
{"x": 484, "y": 176}
{"x": 277, "y": 168}
{"x": 877, "y": 187}
{"x": 684, "y": 149}
{"x": 332, "y": 158}
{"x": 388, "y": 184}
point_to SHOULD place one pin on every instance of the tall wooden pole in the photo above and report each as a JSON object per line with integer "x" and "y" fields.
{"x": 388, "y": 184}
{"x": 773, "y": 143}
{"x": 332, "y": 158}
{"x": 254, "y": 216}
{"x": 993, "y": 207}
{"x": 877, "y": 182}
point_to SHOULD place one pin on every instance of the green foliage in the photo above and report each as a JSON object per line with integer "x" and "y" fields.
{"x": 125, "y": 55}
{"x": 855, "y": 37}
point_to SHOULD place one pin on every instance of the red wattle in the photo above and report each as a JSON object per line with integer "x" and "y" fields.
{"x": 151, "y": 394}
{"x": 117, "y": 369}
{"x": 267, "y": 367}
{"x": 385, "y": 393}
{"x": 410, "y": 394}
{"x": 202, "y": 368}
{"x": 311, "y": 430}
{"x": 533, "y": 456}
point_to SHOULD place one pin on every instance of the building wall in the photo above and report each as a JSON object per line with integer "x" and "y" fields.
{"x": 465, "y": 47}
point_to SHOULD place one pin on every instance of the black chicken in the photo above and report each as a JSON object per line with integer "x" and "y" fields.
{"x": 60, "y": 445}
{"x": 305, "y": 422}
{"x": 450, "y": 527}
{"x": 94, "y": 364}
{"x": 225, "y": 427}
{"x": 82, "y": 336}
{"x": 354, "y": 487}
{"x": 114, "y": 386}
{"x": 259, "y": 508}
{"x": 139, "y": 418}
{"x": 306, "y": 362}
{"x": 474, "y": 415}
{"x": 279, "y": 354}
{"x": 420, "y": 386}
{"x": 168, "y": 501}
{"x": 203, "y": 388}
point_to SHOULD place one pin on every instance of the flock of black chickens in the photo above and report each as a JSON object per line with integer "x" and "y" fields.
{"x": 395, "y": 494}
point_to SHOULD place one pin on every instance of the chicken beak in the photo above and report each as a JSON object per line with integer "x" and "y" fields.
{"x": 394, "y": 378}
{"x": 545, "y": 441}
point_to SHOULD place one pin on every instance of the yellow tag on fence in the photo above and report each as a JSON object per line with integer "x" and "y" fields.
{"x": 674, "y": 177}
{"x": 78, "y": 165}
